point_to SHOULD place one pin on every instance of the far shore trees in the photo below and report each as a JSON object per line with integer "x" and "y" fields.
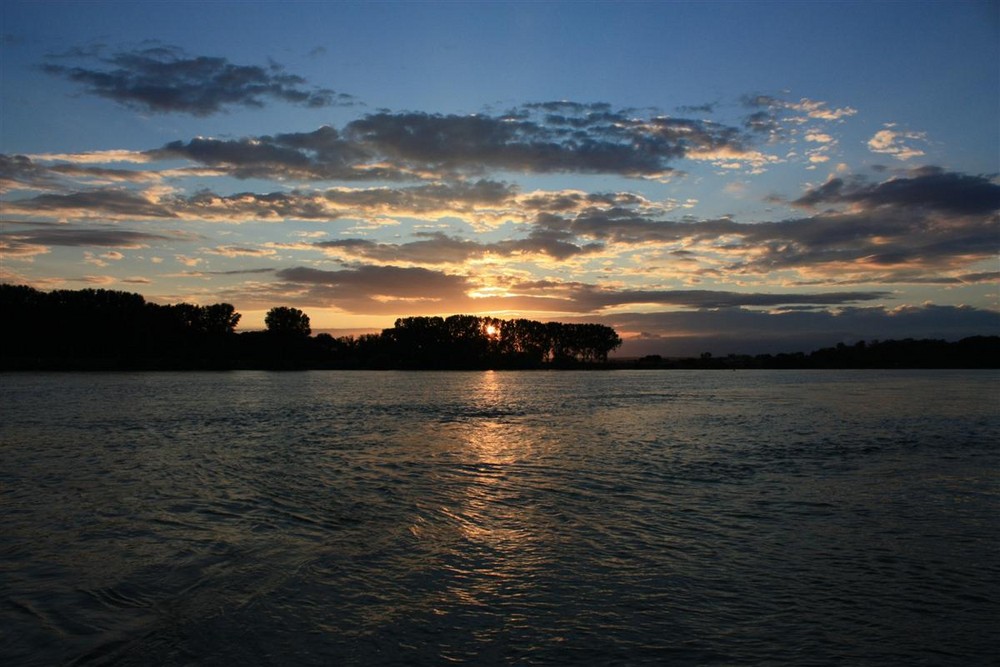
{"x": 468, "y": 341}
{"x": 96, "y": 329}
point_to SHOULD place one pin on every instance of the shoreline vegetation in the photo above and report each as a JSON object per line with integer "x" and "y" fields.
{"x": 96, "y": 329}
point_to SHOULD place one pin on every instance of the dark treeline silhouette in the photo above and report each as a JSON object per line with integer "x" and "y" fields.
{"x": 467, "y": 341}
{"x": 96, "y": 328}
{"x": 972, "y": 352}
{"x": 104, "y": 329}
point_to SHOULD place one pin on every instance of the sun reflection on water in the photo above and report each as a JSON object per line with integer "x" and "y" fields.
{"x": 497, "y": 542}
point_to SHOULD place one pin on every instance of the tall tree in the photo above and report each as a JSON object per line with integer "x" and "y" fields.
{"x": 285, "y": 321}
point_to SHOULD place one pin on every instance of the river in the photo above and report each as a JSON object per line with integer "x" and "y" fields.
{"x": 500, "y": 518}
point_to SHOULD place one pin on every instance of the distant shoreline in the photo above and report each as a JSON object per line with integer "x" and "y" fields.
{"x": 104, "y": 330}
{"x": 974, "y": 353}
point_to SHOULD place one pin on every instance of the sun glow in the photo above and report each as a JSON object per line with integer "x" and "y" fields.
{"x": 492, "y": 331}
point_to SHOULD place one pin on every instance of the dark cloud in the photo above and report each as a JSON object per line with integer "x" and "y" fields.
{"x": 761, "y": 101}
{"x": 479, "y": 143}
{"x": 237, "y": 272}
{"x": 39, "y": 238}
{"x": 588, "y": 298}
{"x": 913, "y": 277}
{"x": 318, "y": 155}
{"x": 101, "y": 173}
{"x": 438, "y": 248}
{"x": 165, "y": 80}
{"x": 762, "y": 122}
{"x": 383, "y": 280}
{"x": 765, "y": 120}
{"x": 620, "y": 225}
{"x": 930, "y": 188}
{"x": 434, "y": 249}
{"x": 21, "y": 171}
{"x": 251, "y": 206}
{"x": 100, "y": 201}
{"x": 382, "y": 290}
{"x": 556, "y": 202}
{"x": 468, "y": 197}
{"x": 534, "y": 138}
{"x": 708, "y": 107}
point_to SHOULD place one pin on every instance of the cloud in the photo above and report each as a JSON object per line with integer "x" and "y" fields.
{"x": 109, "y": 237}
{"x": 819, "y": 137}
{"x": 556, "y": 137}
{"x": 436, "y": 249}
{"x": 237, "y": 251}
{"x": 384, "y": 290}
{"x": 106, "y": 202}
{"x": 24, "y": 244}
{"x": 820, "y": 110}
{"x": 166, "y": 80}
{"x": 20, "y": 172}
{"x": 188, "y": 261}
{"x": 588, "y": 298}
{"x": 813, "y": 109}
{"x": 708, "y": 107}
{"x": 93, "y": 157}
{"x": 763, "y": 122}
{"x": 439, "y": 248}
{"x": 930, "y": 224}
{"x": 481, "y": 203}
{"x": 235, "y": 272}
{"x": 779, "y": 119}
{"x": 104, "y": 259}
{"x": 13, "y": 248}
{"x": 486, "y": 202}
{"x": 896, "y": 143}
{"x": 244, "y": 206}
{"x": 319, "y": 155}
{"x": 928, "y": 188}
{"x": 24, "y": 172}
{"x": 730, "y": 157}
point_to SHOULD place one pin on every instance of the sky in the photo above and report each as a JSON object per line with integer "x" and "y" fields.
{"x": 729, "y": 177}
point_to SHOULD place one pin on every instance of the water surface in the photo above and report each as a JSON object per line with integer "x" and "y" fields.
{"x": 651, "y": 517}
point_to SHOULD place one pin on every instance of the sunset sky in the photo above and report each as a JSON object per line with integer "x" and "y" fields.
{"x": 716, "y": 176}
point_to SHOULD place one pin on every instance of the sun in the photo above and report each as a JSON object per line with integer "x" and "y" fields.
{"x": 492, "y": 331}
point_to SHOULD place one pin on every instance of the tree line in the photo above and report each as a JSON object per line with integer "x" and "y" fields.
{"x": 971, "y": 352}
{"x": 104, "y": 329}
{"x": 98, "y": 328}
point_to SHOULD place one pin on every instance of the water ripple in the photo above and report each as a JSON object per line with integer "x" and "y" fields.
{"x": 499, "y": 518}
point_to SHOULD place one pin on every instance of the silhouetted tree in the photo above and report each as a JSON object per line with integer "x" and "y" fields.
{"x": 220, "y": 318}
{"x": 285, "y": 321}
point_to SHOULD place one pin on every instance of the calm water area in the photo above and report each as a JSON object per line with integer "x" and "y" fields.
{"x": 522, "y": 518}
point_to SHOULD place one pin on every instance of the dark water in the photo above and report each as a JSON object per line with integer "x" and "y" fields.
{"x": 500, "y": 518}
